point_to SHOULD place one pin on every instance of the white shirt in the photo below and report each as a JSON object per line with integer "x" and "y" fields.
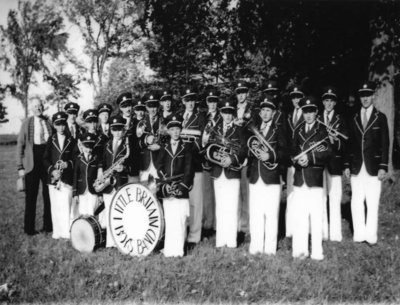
{"x": 330, "y": 116}
{"x": 61, "y": 140}
{"x": 174, "y": 145}
{"x": 297, "y": 115}
{"x": 227, "y": 126}
{"x": 369, "y": 112}
{"x": 116, "y": 144}
{"x": 309, "y": 126}
{"x": 41, "y": 133}
{"x": 241, "y": 109}
{"x": 265, "y": 127}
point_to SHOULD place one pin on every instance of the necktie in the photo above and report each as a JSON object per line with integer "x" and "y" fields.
{"x": 115, "y": 147}
{"x": 186, "y": 119}
{"x": 174, "y": 145}
{"x": 326, "y": 119}
{"x": 295, "y": 117}
{"x": 365, "y": 119}
{"x": 41, "y": 130}
{"x": 73, "y": 131}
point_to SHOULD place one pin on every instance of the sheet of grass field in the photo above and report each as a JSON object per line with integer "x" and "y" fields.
{"x": 39, "y": 269}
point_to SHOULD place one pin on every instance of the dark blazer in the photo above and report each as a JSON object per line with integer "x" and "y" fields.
{"x": 312, "y": 175}
{"x": 293, "y": 128}
{"x": 197, "y": 121}
{"x": 109, "y": 159}
{"x": 277, "y": 139}
{"x": 169, "y": 164}
{"x": 147, "y": 155}
{"x": 78, "y": 131}
{"x": 53, "y": 153}
{"x": 234, "y": 135}
{"x": 335, "y": 164}
{"x": 370, "y": 145}
{"x": 85, "y": 174}
{"x": 25, "y": 144}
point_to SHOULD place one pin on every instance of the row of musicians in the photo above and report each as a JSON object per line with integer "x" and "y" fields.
{"x": 304, "y": 199}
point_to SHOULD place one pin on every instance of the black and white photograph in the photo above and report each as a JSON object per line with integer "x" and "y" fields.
{"x": 200, "y": 152}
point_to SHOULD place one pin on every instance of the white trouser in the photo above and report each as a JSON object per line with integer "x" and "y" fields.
{"x": 307, "y": 208}
{"x": 243, "y": 207}
{"x": 196, "y": 208}
{"x": 332, "y": 229}
{"x": 144, "y": 176}
{"x": 87, "y": 203}
{"x": 208, "y": 201}
{"x": 226, "y": 210}
{"x": 289, "y": 221}
{"x": 368, "y": 188}
{"x": 60, "y": 202}
{"x": 264, "y": 215}
{"x": 176, "y": 212}
{"x": 105, "y": 219}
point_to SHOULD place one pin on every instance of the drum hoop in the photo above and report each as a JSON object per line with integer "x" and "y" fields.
{"x": 94, "y": 223}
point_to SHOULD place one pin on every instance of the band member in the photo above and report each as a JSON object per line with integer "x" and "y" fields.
{"x": 115, "y": 164}
{"x": 294, "y": 121}
{"x": 149, "y": 139}
{"x": 124, "y": 102}
{"x": 368, "y": 164}
{"x": 193, "y": 125}
{"x": 85, "y": 174}
{"x": 58, "y": 161}
{"x": 175, "y": 167}
{"x": 311, "y": 150}
{"x": 267, "y": 147}
{"x": 72, "y": 128}
{"x": 31, "y": 145}
{"x": 244, "y": 113}
{"x": 166, "y": 104}
{"x": 213, "y": 117}
{"x": 90, "y": 118}
{"x": 227, "y": 160}
{"x": 334, "y": 123}
{"x": 104, "y": 111}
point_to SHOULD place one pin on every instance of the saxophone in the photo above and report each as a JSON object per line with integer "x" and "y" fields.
{"x": 108, "y": 175}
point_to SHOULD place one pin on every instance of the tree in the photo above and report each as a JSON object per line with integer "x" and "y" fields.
{"x": 34, "y": 33}
{"x": 64, "y": 85}
{"x": 110, "y": 29}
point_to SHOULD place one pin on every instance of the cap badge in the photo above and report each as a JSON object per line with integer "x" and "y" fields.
{"x": 188, "y": 91}
{"x": 295, "y": 89}
{"x": 124, "y": 98}
{"x": 239, "y": 85}
{"x": 58, "y": 116}
{"x": 330, "y": 91}
{"x": 174, "y": 118}
{"x": 365, "y": 86}
{"x": 115, "y": 121}
{"x": 308, "y": 102}
{"x": 210, "y": 94}
{"x": 165, "y": 92}
{"x": 90, "y": 113}
{"x": 88, "y": 138}
{"x": 71, "y": 106}
{"x": 269, "y": 85}
{"x": 227, "y": 104}
{"x": 151, "y": 97}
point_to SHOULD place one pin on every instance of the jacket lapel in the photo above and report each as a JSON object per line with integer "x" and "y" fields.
{"x": 56, "y": 144}
{"x": 372, "y": 119}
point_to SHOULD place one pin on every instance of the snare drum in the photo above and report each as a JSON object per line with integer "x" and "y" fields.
{"x": 87, "y": 234}
{"x": 136, "y": 220}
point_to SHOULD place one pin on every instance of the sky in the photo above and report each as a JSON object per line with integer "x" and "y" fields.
{"x": 75, "y": 42}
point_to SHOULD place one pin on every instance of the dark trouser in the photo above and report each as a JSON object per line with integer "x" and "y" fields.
{"x": 32, "y": 181}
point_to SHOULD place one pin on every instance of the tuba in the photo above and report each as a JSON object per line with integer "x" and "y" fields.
{"x": 257, "y": 143}
{"x": 108, "y": 175}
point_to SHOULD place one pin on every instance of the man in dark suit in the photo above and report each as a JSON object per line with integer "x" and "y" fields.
{"x": 175, "y": 160}
{"x": 310, "y": 150}
{"x": 264, "y": 179}
{"x": 72, "y": 128}
{"x": 226, "y": 171}
{"x": 367, "y": 163}
{"x": 58, "y": 161}
{"x": 333, "y": 121}
{"x": 104, "y": 111}
{"x": 31, "y": 145}
{"x": 193, "y": 124}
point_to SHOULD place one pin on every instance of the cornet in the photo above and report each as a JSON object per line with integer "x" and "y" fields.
{"x": 333, "y": 132}
{"x": 141, "y": 129}
{"x": 257, "y": 144}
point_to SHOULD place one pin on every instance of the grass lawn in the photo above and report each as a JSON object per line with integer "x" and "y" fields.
{"x": 39, "y": 269}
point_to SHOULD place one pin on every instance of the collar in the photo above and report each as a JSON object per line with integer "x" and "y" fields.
{"x": 242, "y": 105}
{"x": 309, "y": 126}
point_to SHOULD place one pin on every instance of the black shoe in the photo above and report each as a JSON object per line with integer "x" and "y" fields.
{"x": 43, "y": 231}
{"x": 32, "y": 233}
{"x": 190, "y": 246}
{"x": 241, "y": 236}
{"x": 207, "y": 233}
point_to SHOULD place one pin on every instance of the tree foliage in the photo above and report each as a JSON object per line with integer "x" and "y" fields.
{"x": 64, "y": 86}
{"x": 34, "y": 33}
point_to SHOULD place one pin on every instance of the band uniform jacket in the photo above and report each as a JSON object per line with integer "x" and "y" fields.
{"x": 234, "y": 135}
{"x": 98, "y": 148}
{"x": 53, "y": 153}
{"x": 370, "y": 146}
{"x": 336, "y": 161}
{"x": 197, "y": 121}
{"x": 169, "y": 164}
{"x": 25, "y": 144}
{"x": 109, "y": 159}
{"x": 277, "y": 140}
{"x": 78, "y": 131}
{"x": 312, "y": 175}
{"x": 85, "y": 174}
{"x": 147, "y": 155}
{"x": 292, "y": 128}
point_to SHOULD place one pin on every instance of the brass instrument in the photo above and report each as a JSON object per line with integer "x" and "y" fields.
{"x": 107, "y": 178}
{"x": 141, "y": 129}
{"x": 54, "y": 180}
{"x": 333, "y": 132}
{"x": 174, "y": 181}
{"x": 215, "y": 153}
{"x": 190, "y": 135}
{"x": 257, "y": 143}
{"x": 317, "y": 145}
{"x": 208, "y": 131}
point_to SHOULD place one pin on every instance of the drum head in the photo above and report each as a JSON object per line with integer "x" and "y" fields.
{"x": 83, "y": 236}
{"x": 136, "y": 220}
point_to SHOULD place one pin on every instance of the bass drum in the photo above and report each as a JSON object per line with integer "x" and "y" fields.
{"x": 136, "y": 220}
{"x": 86, "y": 234}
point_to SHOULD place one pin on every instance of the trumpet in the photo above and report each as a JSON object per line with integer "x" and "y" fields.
{"x": 319, "y": 146}
{"x": 141, "y": 129}
{"x": 333, "y": 132}
{"x": 53, "y": 179}
{"x": 257, "y": 144}
{"x": 190, "y": 135}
